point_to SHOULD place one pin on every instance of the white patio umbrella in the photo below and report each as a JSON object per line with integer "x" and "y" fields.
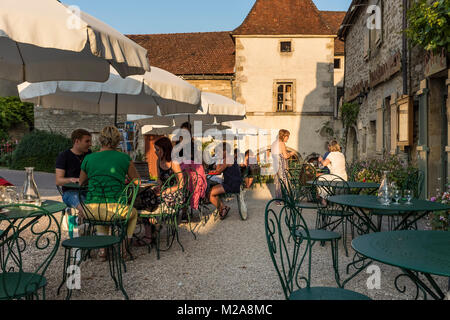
{"x": 243, "y": 128}
{"x": 45, "y": 40}
{"x": 141, "y": 94}
{"x": 167, "y": 130}
{"x": 223, "y": 108}
{"x": 215, "y": 109}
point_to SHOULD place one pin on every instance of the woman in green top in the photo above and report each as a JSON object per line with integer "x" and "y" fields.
{"x": 115, "y": 164}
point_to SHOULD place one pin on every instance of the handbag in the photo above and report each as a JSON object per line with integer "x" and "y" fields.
{"x": 147, "y": 200}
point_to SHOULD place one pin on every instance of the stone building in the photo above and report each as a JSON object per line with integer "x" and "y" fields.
{"x": 285, "y": 54}
{"x": 402, "y": 92}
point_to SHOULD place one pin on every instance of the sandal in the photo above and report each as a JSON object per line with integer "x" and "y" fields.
{"x": 142, "y": 241}
{"x": 102, "y": 255}
{"x": 224, "y": 212}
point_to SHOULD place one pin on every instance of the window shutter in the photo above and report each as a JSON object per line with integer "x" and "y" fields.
{"x": 394, "y": 127}
{"x": 366, "y": 43}
{"x": 380, "y": 125}
{"x": 379, "y": 32}
{"x": 405, "y": 121}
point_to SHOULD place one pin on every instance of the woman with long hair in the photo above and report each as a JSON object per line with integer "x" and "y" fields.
{"x": 280, "y": 155}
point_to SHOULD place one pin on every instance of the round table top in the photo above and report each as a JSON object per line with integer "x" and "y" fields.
{"x": 18, "y": 213}
{"x": 351, "y": 184}
{"x": 371, "y": 202}
{"x": 422, "y": 251}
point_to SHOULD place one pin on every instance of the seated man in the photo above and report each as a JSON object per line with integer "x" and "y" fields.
{"x": 68, "y": 166}
{"x": 232, "y": 181}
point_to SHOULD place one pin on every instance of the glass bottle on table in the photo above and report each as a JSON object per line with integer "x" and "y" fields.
{"x": 30, "y": 193}
{"x": 384, "y": 189}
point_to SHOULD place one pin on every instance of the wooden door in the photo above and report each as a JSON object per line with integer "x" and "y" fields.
{"x": 150, "y": 154}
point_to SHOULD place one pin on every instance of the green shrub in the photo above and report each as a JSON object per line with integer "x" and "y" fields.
{"x": 39, "y": 149}
{"x": 371, "y": 170}
{"x": 5, "y": 160}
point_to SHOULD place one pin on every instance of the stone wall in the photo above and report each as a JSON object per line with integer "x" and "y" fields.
{"x": 65, "y": 122}
{"x": 223, "y": 87}
{"x": 358, "y": 71}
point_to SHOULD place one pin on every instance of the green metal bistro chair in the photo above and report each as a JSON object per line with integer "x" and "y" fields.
{"x": 303, "y": 195}
{"x": 108, "y": 207}
{"x": 300, "y": 176}
{"x": 333, "y": 215}
{"x": 22, "y": 271}
{"x": 291, "y": 198}
{"x": 289, "y": 257}
{"x": 171, "y": 205}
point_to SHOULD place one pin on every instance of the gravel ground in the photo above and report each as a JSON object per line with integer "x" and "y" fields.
{"x": 228, "y": 261}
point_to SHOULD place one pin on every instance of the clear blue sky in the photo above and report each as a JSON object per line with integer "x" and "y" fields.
{"x": 178, "y": 16}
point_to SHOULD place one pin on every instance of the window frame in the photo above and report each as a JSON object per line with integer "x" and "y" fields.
{"x": 284, "y": 82}
{"x": 280, "y": 46}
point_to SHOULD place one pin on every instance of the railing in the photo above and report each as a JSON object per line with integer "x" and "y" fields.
{"x": 7, "y": 147}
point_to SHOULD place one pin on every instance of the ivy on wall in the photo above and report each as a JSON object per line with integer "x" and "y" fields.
{"x": 349, "y": 116}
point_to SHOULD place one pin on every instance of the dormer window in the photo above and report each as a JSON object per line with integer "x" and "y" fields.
{"x": 285, "y": 46}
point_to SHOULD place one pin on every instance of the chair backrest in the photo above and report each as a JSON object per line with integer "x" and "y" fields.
{"x": 180, "y": 197}
{"x": 107, "y": 201}
{"x": 288, "y": 241}
{"x": 142, "y": 169}
{"x": 331, "y": 185}
{"x": 27, "y": 247}
{"x": 414, "y": 182}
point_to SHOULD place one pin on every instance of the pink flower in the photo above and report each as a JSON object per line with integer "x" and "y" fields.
{"x": 433, "y": 199}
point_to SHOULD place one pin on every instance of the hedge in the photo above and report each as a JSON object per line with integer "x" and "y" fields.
{"x": 39, "y": 149}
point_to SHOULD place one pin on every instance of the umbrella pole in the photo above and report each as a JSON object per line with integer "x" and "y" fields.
{"x": 115, "y": 110}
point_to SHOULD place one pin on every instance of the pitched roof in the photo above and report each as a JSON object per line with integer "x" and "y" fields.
{"x": 334, "y": 20}
{"x": 279, "y": 17}
{"x": 190, "y": 53}
{"x": 352, "y": 13}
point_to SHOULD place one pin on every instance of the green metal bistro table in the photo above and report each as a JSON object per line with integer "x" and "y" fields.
{"x": 362, "y": 204}
{"x": 416, "y": 253}
{"x": 15, "y": 214}
{"x": 356, "y": 185}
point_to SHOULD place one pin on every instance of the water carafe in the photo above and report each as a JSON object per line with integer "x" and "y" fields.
{"x": 384, "y": 192}
{"x": 30, "y": 191}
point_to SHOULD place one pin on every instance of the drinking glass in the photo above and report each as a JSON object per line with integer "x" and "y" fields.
{"x": 408, "y": 195}
{"x": 397, "y": 194}
{"x": 13, "y": 194}
{"x": 4, "y": 198}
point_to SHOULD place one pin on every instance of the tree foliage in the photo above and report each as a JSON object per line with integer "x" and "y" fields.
{"x": 429, "y": 24}
{"x": 14, "y": 112}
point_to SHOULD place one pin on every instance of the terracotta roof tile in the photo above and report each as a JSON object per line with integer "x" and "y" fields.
{"x": 279, "y": 17}
{"x": 334, "y": 20}
{"x": 190, "y": 53}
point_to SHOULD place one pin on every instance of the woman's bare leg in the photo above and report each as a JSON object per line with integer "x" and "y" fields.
{"x": 216, "y": 191}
